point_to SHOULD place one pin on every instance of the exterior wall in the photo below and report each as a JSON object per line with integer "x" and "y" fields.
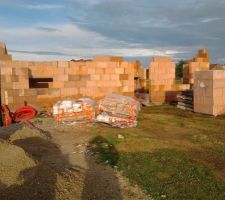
{"x": 209, "y": 92}
{"x": 162, "y": 87}
{"x": 15, "y": 86}
{"x": 199, "y": 63}
{"x": 71, "y": 79}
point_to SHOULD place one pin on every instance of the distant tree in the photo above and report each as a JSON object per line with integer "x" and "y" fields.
{"x": 217, "y": 67}
{"x": 179, "y": 69}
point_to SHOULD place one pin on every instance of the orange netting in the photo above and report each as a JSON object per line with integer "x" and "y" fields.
{"x": 118, "y": 111}
{"x": 72, "y": 112}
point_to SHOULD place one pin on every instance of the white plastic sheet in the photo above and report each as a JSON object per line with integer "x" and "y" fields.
{"x": 118, "y": 111}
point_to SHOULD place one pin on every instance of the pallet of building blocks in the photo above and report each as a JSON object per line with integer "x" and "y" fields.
{"x": 72, "y": 112}
{"x": 161, "y": 78}
{"x": 118, "y": 111}
{"x": 209, "y": 92}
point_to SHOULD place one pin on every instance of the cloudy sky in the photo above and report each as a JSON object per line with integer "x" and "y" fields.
{"x": 136, "y": 29}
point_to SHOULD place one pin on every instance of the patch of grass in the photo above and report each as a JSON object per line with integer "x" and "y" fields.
{"x": 219, "y": 149}
{"x": 172, "y": 154}
{"x": 212, "y": 131}
{"x": 104, "y": 149}
{"x": 197, "y": 138}
{"x": 168, "y": 121}
{"x": 112, "y": 139}
{"x": 168, "y": 174}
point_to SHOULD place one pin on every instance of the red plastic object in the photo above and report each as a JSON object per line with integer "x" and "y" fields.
{"x": 24, "y": 114}
{"x": 6, "y": 115}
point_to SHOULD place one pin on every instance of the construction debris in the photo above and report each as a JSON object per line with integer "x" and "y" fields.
{"x": 72, "y": 112}
{"x": 121, "y": 137}
{"x": 185, "y": 100}
{"x": 118, "y": 111}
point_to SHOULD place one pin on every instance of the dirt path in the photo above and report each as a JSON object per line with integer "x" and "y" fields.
{"x": 65, "y": 169}
{"x": 100, "y": 182}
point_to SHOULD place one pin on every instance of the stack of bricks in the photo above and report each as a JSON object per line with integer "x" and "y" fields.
{"x": 15, "y": 90}
{"x": 161, "y": 77}
{"x": 209, "y": 92}
{"x": 200, "y": 62}
{"x": 162, "y": 87}
{"x": 71, "y": 79}
{"x": 3, "y": 53}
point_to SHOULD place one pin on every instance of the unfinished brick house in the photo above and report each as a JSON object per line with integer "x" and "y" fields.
{"x": 200, "y": 62}
{"x": 43, "y": 83}
{"x": 162, "y": 85}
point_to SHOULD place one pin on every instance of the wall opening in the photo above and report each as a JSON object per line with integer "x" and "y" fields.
{"x": 40, "y": 82}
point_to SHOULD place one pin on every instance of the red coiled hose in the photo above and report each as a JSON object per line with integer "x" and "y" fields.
{"x": 24, "y": 114}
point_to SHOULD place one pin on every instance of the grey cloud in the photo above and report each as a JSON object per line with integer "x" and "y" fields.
{"x": 47, "y": 29}
{"x": 52, "y": 53}
{"x": 212, "y": 19}
{"x": 155, "y": 23}
{"x": 42, "y": 6}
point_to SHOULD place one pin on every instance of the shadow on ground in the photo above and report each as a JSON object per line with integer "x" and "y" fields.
{"x": 101, "y": 182}
{"x": 53, "y": 176}
{"x": 39, "y": 181}
{"x": 7, "y": 131}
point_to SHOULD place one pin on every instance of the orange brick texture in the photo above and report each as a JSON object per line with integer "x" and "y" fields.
{"x": 3, "y": 53}
{"x": 72, "y": 79}
{"x": 162, "y": 87}
{"x": 209, "y": 92}
{"x": 201, "y": 62}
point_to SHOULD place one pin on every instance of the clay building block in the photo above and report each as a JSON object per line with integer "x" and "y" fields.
{"x": 162, "y": 86}
{"x": 3, "y": 49}
{"x": 209, "y": 92}
{"x": 161, "y": 78}
{"x": 108, "y": 58}
{"x": 201, "y": 62}
{"x": 4, "y": 56}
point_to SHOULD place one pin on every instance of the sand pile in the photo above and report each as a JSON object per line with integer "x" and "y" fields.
{"x": 13, "y": 160}
{"x": 24, "y": 133}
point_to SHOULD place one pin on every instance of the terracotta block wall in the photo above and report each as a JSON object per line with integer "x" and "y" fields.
{"x": 209, "y": 92}
{"x": 15, "y": 90}
{"x": 68, "y": 79}
{"x": 3, "y": 53}
{"x": 140, "y": 74}
{"x": 200, "y": 62}
{"x": 162, "y": 87}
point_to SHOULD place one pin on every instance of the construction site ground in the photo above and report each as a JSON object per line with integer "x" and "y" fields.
{"x": 171, "y": 154}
